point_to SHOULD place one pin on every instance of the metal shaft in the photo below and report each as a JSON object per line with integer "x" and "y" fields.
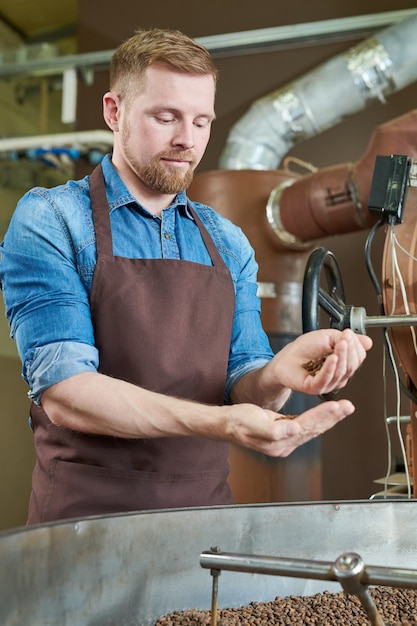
{"x": 356, "y": 319}
{"x": 379, "y": 321}
{"x": 214, "y": 597}
{"x": 304, "y": 568}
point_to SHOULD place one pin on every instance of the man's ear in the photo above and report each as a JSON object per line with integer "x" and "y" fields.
{"x": 111, "y": 110}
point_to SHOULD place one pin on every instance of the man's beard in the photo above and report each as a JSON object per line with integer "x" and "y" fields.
{"x": 159, "y": 175}
{"x": 164, "y": 178}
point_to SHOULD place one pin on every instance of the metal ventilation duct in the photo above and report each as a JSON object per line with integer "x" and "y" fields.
{"x": 346, "y": 84}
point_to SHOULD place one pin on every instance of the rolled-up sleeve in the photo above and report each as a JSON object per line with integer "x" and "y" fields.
{"x": 55, "y": 362}
{"x": 250, "y": 348}
{"x": 45, "y": 299}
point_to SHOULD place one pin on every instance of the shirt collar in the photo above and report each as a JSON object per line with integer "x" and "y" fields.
{"x": 118, "y": 194}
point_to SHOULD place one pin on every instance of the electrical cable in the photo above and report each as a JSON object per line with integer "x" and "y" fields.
{"x": 378, "y": 290}
{"x": 388, "y": 352}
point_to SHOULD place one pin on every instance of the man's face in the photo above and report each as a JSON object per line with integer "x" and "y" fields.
{"x": 164, "y": 130}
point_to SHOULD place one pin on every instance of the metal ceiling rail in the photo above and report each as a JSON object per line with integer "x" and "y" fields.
{"x": 229, "y": 44}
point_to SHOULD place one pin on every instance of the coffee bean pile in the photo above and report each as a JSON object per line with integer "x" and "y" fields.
{"x": 314, "y": 365}
{"x": 286, "y": 417}
{"x": 397, "y": 607}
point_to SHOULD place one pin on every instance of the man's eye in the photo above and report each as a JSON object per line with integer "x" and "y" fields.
{"x": 202, "y": 123}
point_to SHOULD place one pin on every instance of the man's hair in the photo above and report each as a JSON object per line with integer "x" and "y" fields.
{"x": 136, "y": 54}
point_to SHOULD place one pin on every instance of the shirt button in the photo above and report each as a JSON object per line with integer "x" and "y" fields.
{"x": 167, "y": 235}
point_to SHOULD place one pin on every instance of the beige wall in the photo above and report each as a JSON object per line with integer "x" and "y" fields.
{"x": 16, "y": 445}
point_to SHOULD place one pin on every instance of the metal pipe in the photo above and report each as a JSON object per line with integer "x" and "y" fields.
{"x": 228, "y": 44}
{"x": 347, "y": 83}
{"x": 76, "y": 138}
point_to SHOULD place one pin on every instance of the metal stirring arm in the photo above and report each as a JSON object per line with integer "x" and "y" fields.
{"x": 348, "y": 569}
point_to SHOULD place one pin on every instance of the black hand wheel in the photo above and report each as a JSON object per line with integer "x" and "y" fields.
{"x": 316, "y": 298}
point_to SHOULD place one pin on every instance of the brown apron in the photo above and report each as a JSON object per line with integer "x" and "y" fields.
{"x": 162, "y": 324}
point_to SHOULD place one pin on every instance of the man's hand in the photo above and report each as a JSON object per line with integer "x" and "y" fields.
{"x": 340, "y": 353}
{"x": 274, "y": 435}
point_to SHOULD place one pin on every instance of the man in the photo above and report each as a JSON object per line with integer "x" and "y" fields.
{"x": 136, "y": 317}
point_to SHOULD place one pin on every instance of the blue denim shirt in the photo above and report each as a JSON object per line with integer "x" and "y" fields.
{"x": 47, "y": 264}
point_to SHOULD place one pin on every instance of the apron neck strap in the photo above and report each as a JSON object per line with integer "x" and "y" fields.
{"x": 101, "y": 212}
{"x": 101, "y": 218}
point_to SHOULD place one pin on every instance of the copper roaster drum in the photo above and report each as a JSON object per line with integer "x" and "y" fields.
{"x": 405, "y": 250}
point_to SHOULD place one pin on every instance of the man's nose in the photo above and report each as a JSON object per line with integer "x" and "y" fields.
{"x": 185, "y": 136}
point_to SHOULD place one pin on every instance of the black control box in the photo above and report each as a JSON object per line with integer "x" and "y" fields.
{"x": 389, "y": 187}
